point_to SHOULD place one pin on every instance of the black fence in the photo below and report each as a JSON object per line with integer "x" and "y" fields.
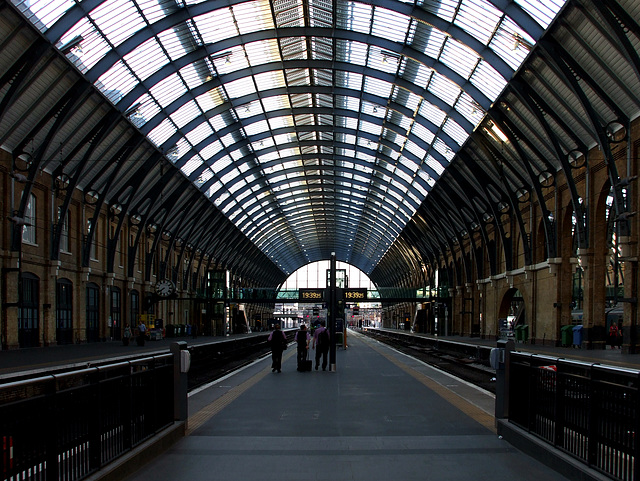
{"x": 209, "y": 361}
{"x": 586, "y": 410}
{"x": 67, "y": 426}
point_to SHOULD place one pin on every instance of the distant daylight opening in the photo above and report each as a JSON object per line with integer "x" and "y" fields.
{"x": 314, "y": 276}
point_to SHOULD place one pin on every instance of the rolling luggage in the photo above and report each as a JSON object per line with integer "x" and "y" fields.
{"x": 307, "y": 365}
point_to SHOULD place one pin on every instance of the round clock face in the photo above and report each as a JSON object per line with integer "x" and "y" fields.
{"x": 165, "y": 288}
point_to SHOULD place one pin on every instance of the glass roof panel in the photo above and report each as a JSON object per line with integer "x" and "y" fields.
{"x": 421, "y": 132}
{"x": 383, "y": 60}
{"x": 277, "y": 102}
{"x": 44, "y": 13}
{"x": 354, "y": 16}
{"x": 256, "y": 127}
{"x": 444, "y": 88}
{"x": 269, "y": 80}
{"x": 543, "y": 11}
{"x": 173, "y": 44}
{"x": 168, "y": 90}
{"x": 185, "y": 114}
{"x": 93, "y": 47}
{"x": 216, "y": 26}
{"x": 155, "y": 10}
{"x": 264, "y": 51}
{"x": 211, "y": 99}
{"x": 338, "y": 127}
{"x": 479, "y": 18}
{"x": 117, "y": 20}
{"x": 221, "y": 121}
{"x": 378, "y": 87}
{"x": 471, "y": 110}
{"x": 210, "y": 150}
{"x": 200, "y": 133}
{"x": 253, "y": 16}
{"x": 460, "y": 58}
{"x": 117, "y": 82}
{"x": 455, "y": 131}
{"x": 146, "y": 59}
{"x": 191, "y": 165}
{"x": 390, "y": 25}
{"x": 487, "y": 79}
{"x": 242, "y": 86}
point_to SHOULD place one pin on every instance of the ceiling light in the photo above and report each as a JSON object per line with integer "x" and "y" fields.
{"x": 72, "y": 45}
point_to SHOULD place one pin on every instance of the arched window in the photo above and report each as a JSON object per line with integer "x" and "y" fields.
{"x": 134, "y": 307}
{"x": 28, "y": 312}
{"x": 116, "y": 313}
{"x": 29, "y": 229}
{"x": 93, "y": 312}
{"x": 64, "y": 311}
{"x": 64, "y": 233}
{"x": 94, "y": 239}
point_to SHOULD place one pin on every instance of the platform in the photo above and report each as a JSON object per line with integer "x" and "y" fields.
{"x": 380, "y": 416}
{"x": 612, "y": 357}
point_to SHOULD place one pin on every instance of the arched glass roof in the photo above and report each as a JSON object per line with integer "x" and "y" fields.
{"x": 315, "y": 126}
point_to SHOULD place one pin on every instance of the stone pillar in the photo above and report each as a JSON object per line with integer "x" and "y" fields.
{"x": 593, "y": 331}
{"x": 628, "y": 250}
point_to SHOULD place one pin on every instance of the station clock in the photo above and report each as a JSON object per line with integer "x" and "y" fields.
{"x": 165, "y": 288}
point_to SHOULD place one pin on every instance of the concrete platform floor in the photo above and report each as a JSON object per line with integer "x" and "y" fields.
{"x": 380, "y": 416}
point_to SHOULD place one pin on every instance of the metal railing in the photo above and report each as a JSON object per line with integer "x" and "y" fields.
{"x": 67, "y": 426}
{"x": 589, "y": 411}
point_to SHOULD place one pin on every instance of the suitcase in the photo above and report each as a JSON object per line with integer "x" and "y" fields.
{"x": 307, "y": 365}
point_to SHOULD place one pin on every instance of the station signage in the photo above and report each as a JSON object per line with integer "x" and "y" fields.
{"x": 355, "y": 294}
{"x": 311, "y": 295}
{"x": 317, "y": 295}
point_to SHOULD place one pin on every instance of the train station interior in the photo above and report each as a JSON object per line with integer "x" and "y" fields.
{"x": 458, "y": 177}
{"x": 168, "y": 159}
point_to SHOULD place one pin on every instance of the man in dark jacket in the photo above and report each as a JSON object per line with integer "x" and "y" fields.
{"x": 321, "y": 341}
{"x": 302, "y": 339}
{"x": 278, "y": 342}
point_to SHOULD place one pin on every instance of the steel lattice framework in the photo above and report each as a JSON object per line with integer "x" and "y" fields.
{"x": 269, "y": 134}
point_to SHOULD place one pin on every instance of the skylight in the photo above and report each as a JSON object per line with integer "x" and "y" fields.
{"x": 245, "y": 103}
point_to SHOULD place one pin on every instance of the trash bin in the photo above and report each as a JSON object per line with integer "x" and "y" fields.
{"x": 522, "y": 332}
{"x": 577, "y": 336}
{"x": 566, "y": 335}
{"x": 518, "y": 332}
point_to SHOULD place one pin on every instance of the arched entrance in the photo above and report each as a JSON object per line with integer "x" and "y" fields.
{"x": 29, "y": 313}
{"x": 511, "y": 314}
{"x": 64, "y": 311}
{"x": 93, "y": 312}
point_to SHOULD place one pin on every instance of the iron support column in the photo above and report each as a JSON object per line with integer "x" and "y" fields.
{"x": 333, "y": 308}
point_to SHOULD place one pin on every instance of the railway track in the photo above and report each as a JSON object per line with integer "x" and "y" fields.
{"x": 469, "y": 368}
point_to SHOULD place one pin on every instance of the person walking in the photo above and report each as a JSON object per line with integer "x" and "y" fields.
{"x": 613, "y": 335}
{"x": 126, "y": 335}
{"x": 142, "y": 329}
{"x": 278, "y": 342}
{"x": 321, "y": 342}
{"x": 302, "y": 338}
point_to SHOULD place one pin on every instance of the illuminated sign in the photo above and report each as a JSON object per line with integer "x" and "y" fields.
{"x": 355, "y": 294}
{"x": 310, "y": 294}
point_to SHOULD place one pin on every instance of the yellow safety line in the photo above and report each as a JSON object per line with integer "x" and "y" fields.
{"x": 474, "y": 412}
{"x": 207, "y": 412}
